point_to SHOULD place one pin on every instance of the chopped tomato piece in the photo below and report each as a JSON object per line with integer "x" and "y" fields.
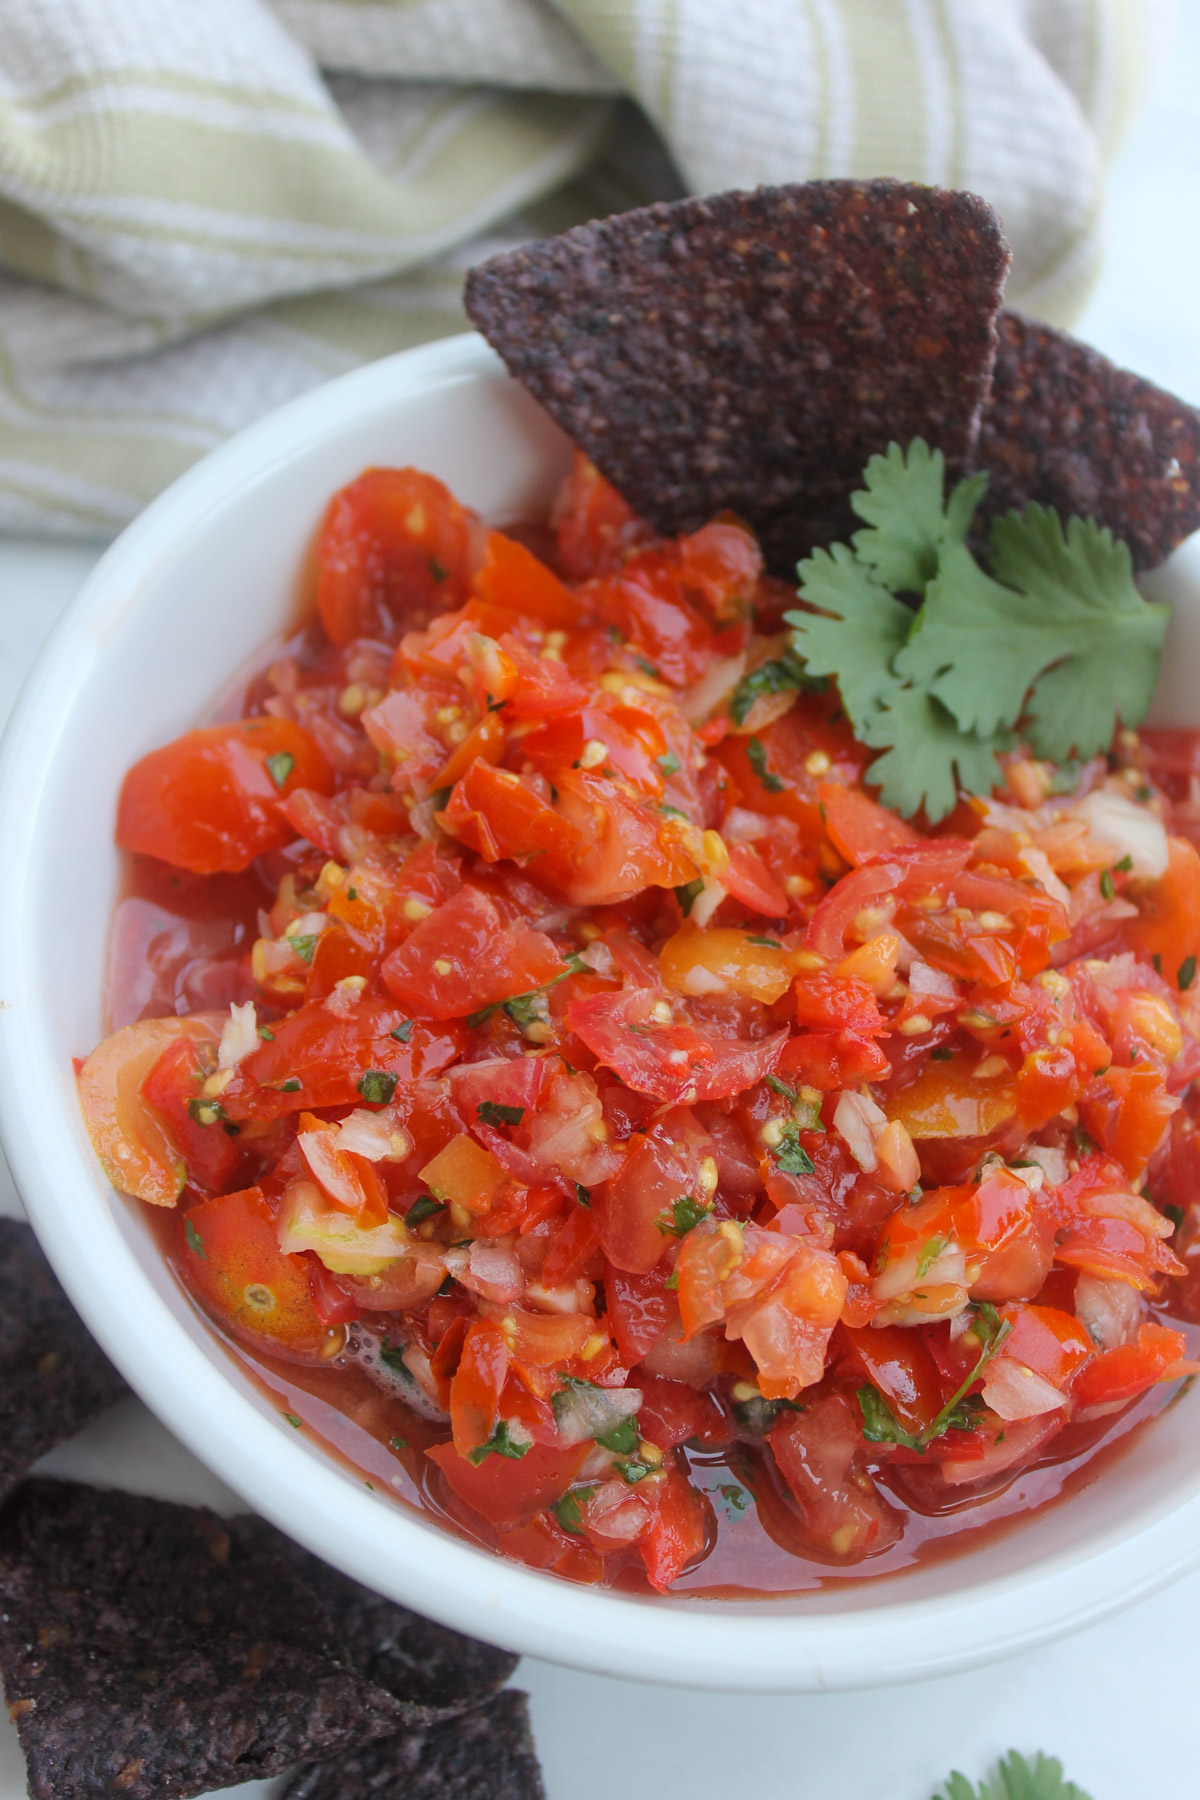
{"x": 1119, "y": 1374}
{"x": 464, "y": 957}
{"x": 511, "y": 576}
{"x": 136, "y": 1151}
{"x": 506, "y": 1490}
{"x": 671, "y": 1059}
{"x": 858, "y": 826}
{"x": 395, "y": 546}
{"x": 210, "y": 800}
{"x": 678, "y": 1534}
{"x": 229, "y": 1259}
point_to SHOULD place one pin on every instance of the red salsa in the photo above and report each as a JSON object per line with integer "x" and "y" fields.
{"x": 599, "y": 1119}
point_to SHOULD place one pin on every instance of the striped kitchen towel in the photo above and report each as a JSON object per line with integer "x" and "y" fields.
{"x": 207, "y": 209}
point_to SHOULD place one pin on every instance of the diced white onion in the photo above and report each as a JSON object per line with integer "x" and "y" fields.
{"x": 718, "y": 681}
{"x": 239, "y": 1035}
{"x": 1052, "y": 1163}
{"x": 495, "y": 1272}
{"x": 924, "y": 980}
{"x": 1015, "y": 1392}
{"x": 365, "y": 1134}
{"x": 699, "y": 980}
{"x": 600, "y": 958}
{"x": 1111, "y": 1310}
{"x": 1132, "y": 830}
{"x": 859, "y": 1121}
{"x": 706, "y": 903}
{"x": 589, "y": 1412}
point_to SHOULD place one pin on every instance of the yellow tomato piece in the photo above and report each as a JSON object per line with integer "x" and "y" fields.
{"x": 724, "y": 961}
{"x": 946, "y": 1102}
{"x": 464, "y": 1174}
{"x": 873, "y": 962}
{"x": 134, "y": 1149}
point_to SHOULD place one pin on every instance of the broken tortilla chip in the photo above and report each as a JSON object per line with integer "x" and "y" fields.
{"x": 54, "y": 1378}
{"x": 149, "y": 1651}
{"x": 434, "y": 1673}
{"x": 1066, "y": 427}
{"x": 750, "y": 352}
{"x": 486, "y": 1755}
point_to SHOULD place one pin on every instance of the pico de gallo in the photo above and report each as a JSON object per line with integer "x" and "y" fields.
{"x": 599, "y": 1118}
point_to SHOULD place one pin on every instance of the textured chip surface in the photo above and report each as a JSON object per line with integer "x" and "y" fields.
{"x": 1066, "y": 427}
{"x": 487, "y": 1754}
{"x": 752, "y": 351}
{"x": 147, "y": 1651}
{"x": 54, "y": 1378}
{"x": 433, "y": 1672}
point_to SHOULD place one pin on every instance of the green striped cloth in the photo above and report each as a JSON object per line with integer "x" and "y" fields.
{"x": 207, "y": 208}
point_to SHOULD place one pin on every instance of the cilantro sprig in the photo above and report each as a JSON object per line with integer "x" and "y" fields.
{"x": 880, "y": 1424}
{"x": 1016, "y": 1779}
{"x": 1054, "y": 642}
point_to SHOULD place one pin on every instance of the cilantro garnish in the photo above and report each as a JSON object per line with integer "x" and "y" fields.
{"x": 304, "y": 945}
{"x": 393, "y": 1356}
{"x": 436, "y": 569}
{"x": 1187, "y": 972}
{"x": 688, "y": 894}
{"x": 757, "y": 757}
{"x": 880, "y": 1424}
{"x": 669, "y": 763}
{"x": 279, "y": 766}
{"x": 292, "y": 1420}
{"x": 1017, "y": 1779}
{"x": 290, "y": 1086}
{"x": 622, "y": 1440}
{"x": 490, "y": 1112}
{"x": 1055, "y": 641}
{"x": 267, "y": 1035}
{"x": 632, "y": 1470}
{"x": 377, "y": 1086}
{"x": 582, "y": 1194}
{"x": 684, "y": 1215}
{"x": 501, "y": 1443}
{"x": 790, "y": 1155}
{"x": 397, "y": 1443}
{"x": 403, "y": 1032}
{"x": 780, "y": 1087}
{"x": 775, "y": 677}
{"x": 195, "y": 1242}
{"x": 765, "y": 943}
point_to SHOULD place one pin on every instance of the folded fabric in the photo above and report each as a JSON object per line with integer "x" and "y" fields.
{"x": 207, "y": 210}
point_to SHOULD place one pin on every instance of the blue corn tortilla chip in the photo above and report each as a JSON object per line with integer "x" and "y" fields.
{"x": 486, "y": 1754}
{"x": 54, "y": 1378}
{"x": 433, "y": 1672}
{"x": 1066, "y": 427}
{"x": 151, "y": 1652}
{"x": 751, "y": 351}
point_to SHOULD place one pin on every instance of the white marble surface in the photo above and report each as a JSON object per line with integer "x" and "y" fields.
{"x": 1114, "y": 1701}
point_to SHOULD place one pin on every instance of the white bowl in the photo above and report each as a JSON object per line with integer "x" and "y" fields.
{"x": 206, "y": 575}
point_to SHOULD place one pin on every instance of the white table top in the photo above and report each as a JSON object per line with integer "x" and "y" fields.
{"x": 1112, "y": 1702}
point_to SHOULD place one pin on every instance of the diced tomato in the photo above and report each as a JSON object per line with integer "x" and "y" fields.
{"x": 464, "y": 957}
{"x": 1159, "y": 1354}
{"x": 899, "y": 874}
{"x": 477, "y": 1385}
{"x": 319, "y": 1057}
{"x": 136, "y": 1152}
{"x": 1168, "y": 922}
{"x": 673, "y": 1413}
{"x": 394, "y": 547}
{"x": 172, "y": 1088}
{"x": 896, "y": 1362}
{"x": 1127, "y": 1112}
{"x": 506, "y": 1490}
{"x": 595, "y": 527}
{"x": 511, "y": 576}
{"x": 229, "y": 1259}
{"x": 749, "y": 880}
{"x": 640, "y": 1309}
{"x": 211, "y": 799}
{"x": 858, "y": 826}
{"x": 815, "y": 1451}
{"x": 499, "y": 814}
{"x": 827, "y": 1002}
{"x": 678, "y": 1535}
{"x": 673, "y": 1060}
{"x": 830, "y": 1060}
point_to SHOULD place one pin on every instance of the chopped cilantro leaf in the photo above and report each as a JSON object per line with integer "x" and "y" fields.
{"x": 437, "y": 570}
{"x": 688, "y": 894}
{"x": 736, "y": 1499}
{"x": 377, "y": 1086}
{"x": 765, "y": 943}
{"x": 402, "y": 1033}
{"x": 501, "y": 1443}
{"x": 582, "y": 1194}
{"x": 290, "y": 1086}
{"x": 940, "y": 1053}
{"x": 392, "y": 1355}
{"x": 684, "y": 1215}
{"x": 790, "y": 1155}
{"x": 1124, "y": 867}
{"x": 397, "y": 1443}
{"x": 1187, "y": 972}
{"x": 880, "y": 1425}
{"x": 928, "y": 1254}
{"x": 622, "y": 1440}
{"x": 304, "y": 945}
{"x": 1107, "y": 890}
{"x": 267, "y": 1035}
{"x": 195, "y": 1242}
{"x": 671, "y": 812}
{"x": 669, "y": 763}
{"x": 280, "y": 766}
{"x": 292, "y": 1420}
{"x": 775, "y": 677}
{"x": 780, "y": 1087}
{"x": 490, "y": 1112}
{"x": 566, "y": 1510}
{"x": 423, "y": 1207}
{"x": 757, "y": 758}
{"x": 647, "y": 668}
{"x": 632, "y": 1470}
